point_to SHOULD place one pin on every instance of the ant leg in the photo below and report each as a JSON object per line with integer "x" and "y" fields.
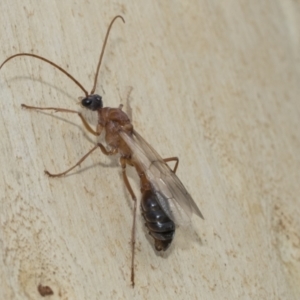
{"x": 104, "y": 151}
{"x": 128, "y": 107}
{"x": 173, "y": 159}
{"x": 85, "y": 123}
{"x": 129, "y": 188}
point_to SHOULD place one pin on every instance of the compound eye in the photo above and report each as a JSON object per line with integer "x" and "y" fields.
{"x": 92, "y": 102}
{"x": 86, "y": 102}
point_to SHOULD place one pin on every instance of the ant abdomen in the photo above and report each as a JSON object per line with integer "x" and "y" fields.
{"x": 160, "y": 226}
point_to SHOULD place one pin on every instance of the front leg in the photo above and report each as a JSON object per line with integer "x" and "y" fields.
{"x": 85, "y": 123}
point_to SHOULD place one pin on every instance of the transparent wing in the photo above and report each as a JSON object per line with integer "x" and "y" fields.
{"x": 171, "y": 193}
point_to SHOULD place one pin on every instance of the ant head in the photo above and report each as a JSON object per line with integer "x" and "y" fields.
{"x": 92, "y": 102}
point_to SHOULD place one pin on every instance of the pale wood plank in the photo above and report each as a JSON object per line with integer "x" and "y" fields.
{"x": 215, "y": 83}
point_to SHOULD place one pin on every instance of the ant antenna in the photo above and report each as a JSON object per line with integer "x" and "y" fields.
{"x": 49, "y": 62}
{"x": 102, "y": 51}
{"x": 63, "y": 70}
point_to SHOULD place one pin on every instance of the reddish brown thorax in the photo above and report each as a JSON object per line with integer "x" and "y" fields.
{"x": 114, "y": 120}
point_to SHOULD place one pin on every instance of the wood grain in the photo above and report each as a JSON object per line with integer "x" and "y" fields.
{"x": 215, "y": 83}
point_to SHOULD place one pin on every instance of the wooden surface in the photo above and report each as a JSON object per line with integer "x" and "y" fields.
{"x": 215, "y": 83}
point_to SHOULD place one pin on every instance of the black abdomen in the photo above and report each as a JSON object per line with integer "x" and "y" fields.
{"x": 160, "y": 226}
